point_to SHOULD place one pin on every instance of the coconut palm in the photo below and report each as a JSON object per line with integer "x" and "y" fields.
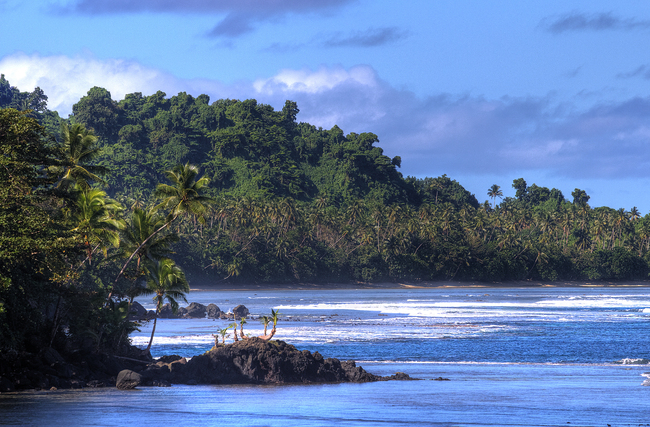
{"x": 494, "y": 192}
{"x": 94, "y": 216}
{"x": 233, "y": 325}
{"x": 275, "y": 314}
{"x": 265, "y": 321}
{"x": 242, "y": 322}
{"x": 167, "y": 282}
{"x": 139, "y": 227}
{"x": 224, "y": 333}
{"x": 79, "y": 149}
{"x": 183, "y": 198}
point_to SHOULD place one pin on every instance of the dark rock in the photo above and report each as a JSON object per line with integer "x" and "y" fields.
{"x": 169, "y": 359}
{"x": 166, "y": 312}
{"x": 440, "y": 379}
{"x": 127, "y": 380}
{"x": 213, "y": 311}
{"x": 138, "y": 312}
{"x": 181, "y": 312}
{"x": 240, "y": 311}
{"x": 50, "y": 356}
{"x": 5, "y": 385}
{"x": 195, "y": 311}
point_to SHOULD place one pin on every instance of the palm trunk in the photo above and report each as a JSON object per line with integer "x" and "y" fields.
{"x": 269, "y": 336}
{"x": 110, "y": 294}
{"x": 155, "y": 319}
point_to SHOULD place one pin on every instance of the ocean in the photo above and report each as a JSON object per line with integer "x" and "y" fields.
{"x": 543, "y": 356}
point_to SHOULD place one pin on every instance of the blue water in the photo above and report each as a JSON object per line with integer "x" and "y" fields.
{"x": 514, "y": 357}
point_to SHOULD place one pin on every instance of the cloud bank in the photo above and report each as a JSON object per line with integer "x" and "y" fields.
{"x": 241, "y": 16}
{"x": 442, "y": 133}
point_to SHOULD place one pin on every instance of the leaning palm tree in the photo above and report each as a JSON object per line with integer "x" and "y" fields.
{"x": 139, "y": 227}
{"x": 167, "y": 282}
{"x": 183, "y": 198}
{"x": 78, "y": 149}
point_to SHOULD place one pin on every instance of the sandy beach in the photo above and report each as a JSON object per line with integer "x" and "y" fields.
{"x": 204, "y": 285}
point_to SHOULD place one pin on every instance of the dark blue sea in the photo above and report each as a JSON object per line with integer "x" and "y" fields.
{"x": 513, "y": 357}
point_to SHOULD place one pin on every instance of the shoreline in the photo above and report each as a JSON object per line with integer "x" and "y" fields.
{"x": 409, "y": 285}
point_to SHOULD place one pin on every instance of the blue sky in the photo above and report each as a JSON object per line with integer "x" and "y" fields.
{"x": 556, "y": 92}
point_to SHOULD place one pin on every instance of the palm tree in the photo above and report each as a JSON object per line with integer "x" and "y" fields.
{"x": 140, "y": 226}
{"x": 233, "y": 325}
{"x": 494, "y": 192}
{"x": 94, "y": 217}
{"x": 167, "y": 281}
{"x": 79, "y": 149}
{"x": 265, "y": 321}
{"x": 274, "y": 318}
{"x": 183, "y": 198}
{"x": 224, "y": 333}
{"x": 242, "y": 322}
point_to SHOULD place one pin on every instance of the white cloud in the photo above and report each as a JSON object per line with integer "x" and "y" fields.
{"x": 307, "y": 81}
{"x": 457, "y": 135}
{"x": 66, "y": 79}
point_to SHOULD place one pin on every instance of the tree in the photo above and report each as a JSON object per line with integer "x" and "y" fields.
{"x": 167, "y": 282}
{"x": 33, "y": 237}
{"x": 580, "y": 197}
{"x": 494, "y": 192}
{"x": 185, "y": 198}
{"x": 265, "y": 321}
{"x": 94, "y": 217}
{"x": 520, "y": 185}
{"x": 79, "y": 148}
{"x": 139, "y": 227}
{"x": 274, "y": 318}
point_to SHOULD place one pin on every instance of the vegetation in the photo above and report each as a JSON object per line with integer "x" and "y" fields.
{"x": 94, "y": 208}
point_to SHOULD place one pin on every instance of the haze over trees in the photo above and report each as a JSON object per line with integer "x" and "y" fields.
{"x": 92, "y": 206}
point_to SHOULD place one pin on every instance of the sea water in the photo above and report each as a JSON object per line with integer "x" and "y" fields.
{"x": 513, "y": 357}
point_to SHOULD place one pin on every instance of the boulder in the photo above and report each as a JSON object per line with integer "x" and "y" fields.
{"x": 213, "y": 311}
{"x": 137, "y": 312}
{"x": 195, "y": 311}
{"x": 127, "y": 380}
{"x": 240, "y": 311}
{"x": 167, "y": 313}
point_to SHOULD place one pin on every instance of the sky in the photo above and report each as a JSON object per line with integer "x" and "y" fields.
{"x": 555, "y": 92}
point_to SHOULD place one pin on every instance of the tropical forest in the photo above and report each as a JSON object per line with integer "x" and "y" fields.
{"x": 146, "y": 194}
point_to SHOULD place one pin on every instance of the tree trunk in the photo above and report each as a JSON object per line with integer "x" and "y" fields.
{"x": 155, "y": 319}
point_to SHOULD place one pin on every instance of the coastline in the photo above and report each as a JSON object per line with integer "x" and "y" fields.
{"x": 410, "y": 285}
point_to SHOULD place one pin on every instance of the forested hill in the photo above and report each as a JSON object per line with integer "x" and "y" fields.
{"x": 246, "y": 148}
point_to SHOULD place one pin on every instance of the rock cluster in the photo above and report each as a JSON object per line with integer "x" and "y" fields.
{"x": 192, "y": 311}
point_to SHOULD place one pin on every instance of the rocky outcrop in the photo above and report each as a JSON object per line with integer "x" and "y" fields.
{"x": 138, "y": 312}
{"x": 213, "y": 311}
{"x": 255, "y": 361}
{"x": 240, "y": 311}
{"x": 195, "y": 311}
{"x": 128, "y": 380}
